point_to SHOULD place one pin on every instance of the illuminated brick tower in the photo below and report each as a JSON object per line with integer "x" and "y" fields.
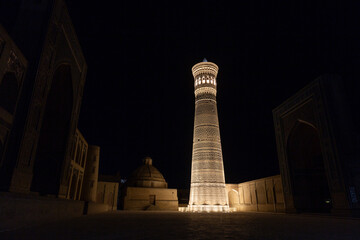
{"x": 207, "y": 191}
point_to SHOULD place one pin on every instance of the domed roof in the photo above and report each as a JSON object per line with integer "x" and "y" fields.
{"x": 147, "y": 176}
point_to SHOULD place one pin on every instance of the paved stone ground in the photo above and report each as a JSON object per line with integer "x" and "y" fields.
{"x": 176, "y": 225}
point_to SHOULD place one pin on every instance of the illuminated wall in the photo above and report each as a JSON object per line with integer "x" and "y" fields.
{"x": 207, "y": 190}
{"x": 260, "y": 195}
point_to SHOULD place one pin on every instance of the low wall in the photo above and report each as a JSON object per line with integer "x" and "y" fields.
{"x": 137, "y": 198}
{"x": 17, "y": 210}
{"x": 94, "y": 208}
{"x": 260, "y": 195}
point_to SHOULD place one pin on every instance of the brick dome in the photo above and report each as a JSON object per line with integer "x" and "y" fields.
{"x": 147, "y": 176}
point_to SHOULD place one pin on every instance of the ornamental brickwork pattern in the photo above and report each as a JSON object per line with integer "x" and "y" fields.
{"x": 207, "y": 191}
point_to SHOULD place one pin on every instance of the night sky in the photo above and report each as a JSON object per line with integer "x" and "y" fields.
{"x": 139, "y": 100}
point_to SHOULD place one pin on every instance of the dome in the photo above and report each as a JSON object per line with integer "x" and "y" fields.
{"x": 147, "y": 176}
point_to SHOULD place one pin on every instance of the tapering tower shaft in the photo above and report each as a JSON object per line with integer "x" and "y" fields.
{"x": 207, "y": 190}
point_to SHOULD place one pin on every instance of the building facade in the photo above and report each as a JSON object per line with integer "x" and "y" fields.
{"x": 77, "y": 168}
{"x": 207, "y": 190}
{"x": 260, "y": 195}
{"x": 13, "y": 66}
{"x": 318, "y": 149}
{"x": 36, "y": 139}
{"x": 147, "y": 189}
{"x": 91, "y": 174}
{"x": 107, "y": 194}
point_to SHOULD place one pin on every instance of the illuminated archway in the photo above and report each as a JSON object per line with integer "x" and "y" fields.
{"x": 54, "y": 133}
{"x": 9, "y": 92}
{"x": 309, "y": 182}
{"x": 233, "y": 196}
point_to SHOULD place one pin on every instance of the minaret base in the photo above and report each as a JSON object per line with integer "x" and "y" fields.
{"x": 208, "y": 208}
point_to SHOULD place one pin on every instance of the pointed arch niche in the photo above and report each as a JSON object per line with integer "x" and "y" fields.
{"x": 309, "y": 182}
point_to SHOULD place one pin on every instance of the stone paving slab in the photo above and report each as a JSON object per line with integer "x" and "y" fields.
{"x": 177, "y": 225}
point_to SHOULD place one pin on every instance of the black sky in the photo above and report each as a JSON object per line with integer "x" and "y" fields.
{"x": 139, "y": 99}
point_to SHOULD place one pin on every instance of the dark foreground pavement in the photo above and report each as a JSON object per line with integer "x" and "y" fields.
{"x": 177, "y": 225}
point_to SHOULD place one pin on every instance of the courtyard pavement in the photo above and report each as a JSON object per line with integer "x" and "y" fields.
{"x": 177, "y": 225}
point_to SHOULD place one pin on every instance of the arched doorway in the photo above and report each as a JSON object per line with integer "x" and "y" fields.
{"x": 309, "y": 183}
{"x": 54, "y": 133}
{"x": 9, "y": 92}
{"x": 233, "y": 196}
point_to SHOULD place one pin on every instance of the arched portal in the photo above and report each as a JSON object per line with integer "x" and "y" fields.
{"x": 233, "y": 196}
{"x": 54, "y": 133}
{"x": 9, "y": 92}
{"x": 309, "y": 182}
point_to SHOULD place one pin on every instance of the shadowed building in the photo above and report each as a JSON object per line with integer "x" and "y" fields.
{"x": 42, "y": 76}
{"x": 207, "y": 190}
{"x": 147, "y": 189}
{"x": 91, "y": 174}
{"x": 318, "y": 149}
{"x": 37, "y": 149}
{"x": 107, "y": 194}
{"x": 100, "y": 193}
{"x": 77, "y": 168}
{"x": 13, "y": 67}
